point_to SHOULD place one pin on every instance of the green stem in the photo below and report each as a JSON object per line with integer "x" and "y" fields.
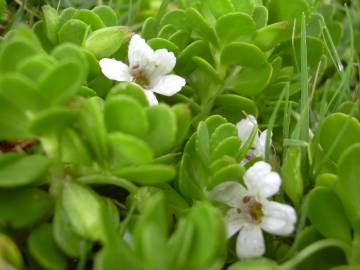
{"x": 109, "y": 179}
{"x": 313, "y": 248}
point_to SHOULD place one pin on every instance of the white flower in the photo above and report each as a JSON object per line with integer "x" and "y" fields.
{"x": 251, "y": 211}
{"x": 147, "y": 67}
{"x": 245, "y": 127}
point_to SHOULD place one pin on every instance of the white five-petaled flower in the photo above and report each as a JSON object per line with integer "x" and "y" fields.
{"x": 251, "y": 211}
{"x": 245, "y": 127}
{"x": 148, "y": 68}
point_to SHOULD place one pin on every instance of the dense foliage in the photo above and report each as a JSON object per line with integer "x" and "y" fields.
{"x": 94, "y": 176}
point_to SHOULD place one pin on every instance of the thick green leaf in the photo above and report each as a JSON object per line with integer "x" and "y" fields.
{"x": 242, "y": 54}
{"x": 228, "y": 147}
{"x": 281, "y": 10}
{"x": 106, "y": 41}
{"x": 43, "y": 248}
{"x": 221, "y": 133}
{"x": 22, "y": 207}
{"x": 73, "y": 148}
{"x": 292, "y": 181}
{"x": 234, "y": 26}
{"x": 326, "y": 213}
{"x": 21, "y": 171}
{"x": 349, "y": 184}
{"x": 83, "y": 208}
{"x": 130, "y": 148}
{"x": 232, "y": 172}
{"x": 107, "y": 15}
{"x": 183, "y": 120}
{"x": 162, "y": 128}
{"x": 341, "y": 127}
{"x": 126, "y": 115}
{"x": 129, "y": 89}
{"x": 260, "y": 16}
{"x": 52, "y": 23}
{"x": 251, "y": 81}
{"x": 36, "y": 67}
{"x": 90, "y": 18}
{"x": 220, "y": 7}
{"x": 255, "y": 264}
{"x": 161, "y": 43}
{"x": 73, "y": 31}
{"x": 51, "y": 121}
{"x": 270, "y": 36}
{"x": 10, "y": 253}
{"x": 147, "y": 174}
{"x": 62, "y": 82}
{"x": 14, "y": 53}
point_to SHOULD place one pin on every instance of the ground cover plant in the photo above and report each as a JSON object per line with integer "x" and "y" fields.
{"x": 197, "y": 135}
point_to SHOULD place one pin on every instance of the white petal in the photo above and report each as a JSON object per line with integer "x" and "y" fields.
{"x": 250, "y": 242}
{"x": 245, "y": 127}
{"x": 165, "y": 62}
{"x": 168, "y": 85}
{"x": 234, "y": 222}
{"x": 115, "y": 70}
{"x": 151, "y": 97}
{"x": 230, "y": 193}
{"x": 141, "y": 56}
{"x": 260, "y": 144}
{"x": 278, "y": 218}
{"x": 261, "y": 181}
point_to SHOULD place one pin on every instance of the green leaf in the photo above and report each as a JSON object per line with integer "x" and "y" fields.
{"x": 126, "y": 115}
{"x": 220, "y": 7}
{"x": 162, "y": 128}
{"x": 62, "y": 82}
{"x": 242, "y": 54}
{"x": 9, "y": 252}
{"x": 21, "y": 93}
{"x": 105, "y": 42}
{"x": 52, "y": 23}
{"x": 349, "y": 184}
{"x": 177, "y": 18}
{"x": 93, "y": 128}
{"x": 228, "y": 147}
{"x": 90, "y": 18}
{"x": 199, "y": 48}
{"x": 43, "y": 248}
{"x": 326, "y": 213}
{"x": 231, "y": 172}
{"x": 252, "y": 81}
{"x": 129, "y": 89}
{"x": 234, "y": 26}
{"x": 283, "y": 10}
{"x": 200, "y": 25}
{"x": 40, "y": 31}
{"x": 202, "y": 143}
{"x": 66, "y": 14}
{"x": 270, "y": 36}
{"x": 14, "y": 53}
{"x": 73, "y": 148}
{"x": 232, "y": 107}
{"x": 107, "y": 15}
{"x": 206, "y": 250}
{"x": 36, "y": 67}
{"x": 221, "y": 133}
{"x": 161, "y": 43}
{"x": 51, "y": 121}
{"x": 73, "y": 31}
{"x": 260, "y": 16}
{"x": 65, "y": 237}
{"x": 83, "y": 208}
{"x": 291, "y": 175}
{"x": 21, "y": 171}
{"x": 213, "y": 122}
{"x": 255, "y": 264}
{"x": 130, "y": 148}
{"x": 149, "y": 28}
{"x": 183, "y": 120}
{"x": 342, "y": 128}
{"x": 207, "y": 68}
{"x": 2, "y": 8}
{"x": 147, "y": 174}
{"x": 22, "y": 207}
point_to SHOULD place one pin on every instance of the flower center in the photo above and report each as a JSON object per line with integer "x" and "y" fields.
{"x": 139, "y": 77}
{"x": 253, "y": 209}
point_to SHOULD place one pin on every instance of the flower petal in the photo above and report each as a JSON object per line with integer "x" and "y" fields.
{"x": 234, "y": 221}
{"x": 230, "y": 193}
{"x": 150, "y": 96}
{"x": 115, "y": 70}
{"x": 250, "y": 242}
{"x": 260, "y": 144}
{"x": 141, "y": 56}
{"x": 165, "y": 63}
{"x": 245, "y": 127}
{"x": 278, "y": 218}
{"x": 168, "y": 85}
{"x": 261, "y": 181}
